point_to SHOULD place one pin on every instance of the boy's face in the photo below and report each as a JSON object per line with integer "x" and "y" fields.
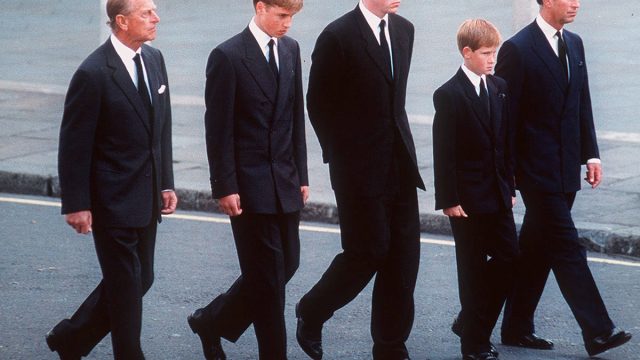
{"x": 273, "y": 20}
{"x": 480, "y": 61}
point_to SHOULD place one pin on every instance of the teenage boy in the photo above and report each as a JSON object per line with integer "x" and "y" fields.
{"x": 258, "y": 163}
{"x": 473, "y": 168}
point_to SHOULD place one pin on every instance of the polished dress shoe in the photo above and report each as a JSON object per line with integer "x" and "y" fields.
{"x": 211, "y": 346}
{"x": 479, "y": 356}
{"x": 456, "y": 327}
{"x": 55, "y": 345}
{"x": 602, "y": 343}
{"x": 531, "y": 341}
{"x": 309, "y": 337}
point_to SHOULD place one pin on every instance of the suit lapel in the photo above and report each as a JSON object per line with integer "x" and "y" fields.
{"x": 371, "y": 44}
{"x": 123, "y": 80}
{"x": 476, "y": 104}
{"x": 155, "y": 81}
{"x": 256, "y": 64}
{"x": 285, "y": 73}
{"x": 543, "y": 49}
{"x": 574, "y": 61}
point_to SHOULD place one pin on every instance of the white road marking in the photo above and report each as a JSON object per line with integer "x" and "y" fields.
{"x": 310, "y": 228}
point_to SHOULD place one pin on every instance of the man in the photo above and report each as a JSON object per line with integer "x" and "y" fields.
{"x": 257, "y": 160}
{"x": 545, "y": 68}
{"x": 474, "y": 187}
{"x": 114, "y": 160}
{"x": 356, "y": 100}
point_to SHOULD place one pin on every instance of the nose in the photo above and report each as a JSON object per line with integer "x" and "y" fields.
{"x": 154, "y": 17}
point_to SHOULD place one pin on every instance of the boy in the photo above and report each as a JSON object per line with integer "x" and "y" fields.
{"x": 473, "y": 168}
{"x": 258, "y": 163}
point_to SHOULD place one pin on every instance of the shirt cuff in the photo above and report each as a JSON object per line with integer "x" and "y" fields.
{"x": 594, "y": 161}
{"x": 167, "y": 190}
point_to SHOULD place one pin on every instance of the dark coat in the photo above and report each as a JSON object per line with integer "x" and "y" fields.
{"x": 472, "y": 149}
{"x": 255, "y": 129}
{"x": 354, "y": 105}
{"x": 111, "y": 159}
{"x": 554, "y": 122}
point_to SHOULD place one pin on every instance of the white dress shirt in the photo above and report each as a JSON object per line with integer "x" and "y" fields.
{"x": 126, "y": 54}
{"x": 475, "y": 79}
{"x": 263, "y": 41}
{"x": 374, "y": 23}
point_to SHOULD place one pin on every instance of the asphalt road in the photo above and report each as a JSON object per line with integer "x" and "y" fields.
{"x": 46, "y": 270}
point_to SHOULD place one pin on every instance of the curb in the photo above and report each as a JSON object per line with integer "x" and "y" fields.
{"x": 595, "y": 240}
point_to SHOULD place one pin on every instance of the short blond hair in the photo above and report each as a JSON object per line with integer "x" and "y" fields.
{"x": 294, "y": 5}
{"x": 476, "y": 33}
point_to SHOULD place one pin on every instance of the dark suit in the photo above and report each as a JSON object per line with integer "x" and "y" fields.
{"x": 114, "y": 159}
{"x": 473, "y": 168}
{"x": 555, "y": 135}
{"x": 357, "y": 110}
{"x": 256, "y": 148}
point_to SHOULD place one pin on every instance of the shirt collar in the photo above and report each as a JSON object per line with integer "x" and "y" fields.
{"x": 125, "y": 52}
{"x": 548, "y": 30}
{"x": 261, "y": 37}
{"x": 372, "y": 19}
{"x": 473, "y": 77}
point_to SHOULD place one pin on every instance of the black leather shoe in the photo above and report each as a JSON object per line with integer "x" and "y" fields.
{"x": 602, "y": 343}
{"x": 55, "y": 345}
{"x": 309, "y": 337}
{"x": 456, "y": 327}
{"x": 211, "y": 346}
{"x": 479, "y": 356}
{"x": 531, "y": 341}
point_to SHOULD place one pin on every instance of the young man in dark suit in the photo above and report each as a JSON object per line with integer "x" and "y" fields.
{"x": 473, "y": 168}
{"x": 116, "y": 177}
{"x": 545, "y": 67}
{"x": 356, "y": 103}
{"x": 255, "y": 134}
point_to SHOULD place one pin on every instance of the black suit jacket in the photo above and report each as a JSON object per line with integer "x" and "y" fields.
{"x": 555, "y": 131}
{"x": 355, "y": 106}
{"x": 472, "y": 149}
{"x": 113, "y": 159}
{"x": 254, "y": 127}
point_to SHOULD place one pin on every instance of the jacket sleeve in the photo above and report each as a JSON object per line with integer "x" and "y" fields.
{"x": 444, "y": 151}
{"x": 219, "y": 124}
{"x": 299, "y": 133}
{"x": 77, "y": 136}
{"x": 166, "y": 137}
{"x": 324, "y": 95}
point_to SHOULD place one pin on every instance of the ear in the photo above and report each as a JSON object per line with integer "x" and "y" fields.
{"x": 121, "y": 22}
{"x": 466, "y": 52}
{"x": 260, "y": 7}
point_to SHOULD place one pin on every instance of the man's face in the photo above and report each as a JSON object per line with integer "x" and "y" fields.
{"x": 141, "y": 21}
{"x": 563, "y": 11}
{"x": 480, "y": 61}
{"x": 382, "y": 7}
{"x": 273, "y": 20}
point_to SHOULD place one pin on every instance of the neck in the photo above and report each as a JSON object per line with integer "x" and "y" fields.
{"x": 377, "y": 12}
{"x": 550, "y": 20}
{"x": 133, "y": 45}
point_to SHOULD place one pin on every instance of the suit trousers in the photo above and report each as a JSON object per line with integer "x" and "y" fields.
{"x": 269, "y": 253}
{"x": 549, "y": 241}
{"x": 486, "y": 251}
{"x": 380, "y": 236}
{"x": 126, "y": 258}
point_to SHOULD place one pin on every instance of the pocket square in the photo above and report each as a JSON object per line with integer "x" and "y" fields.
{"x": 162, "y": 89}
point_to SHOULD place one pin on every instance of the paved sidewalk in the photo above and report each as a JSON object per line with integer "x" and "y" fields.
{"x": 37, "y": 64}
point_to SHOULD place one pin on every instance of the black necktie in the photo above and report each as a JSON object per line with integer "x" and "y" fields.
{"x": 562, "y": 54}
{"x": 142, "y": 85}
{"x": 384, "y": 46}
{"x": 484, "y": 96}
{"x": 272, "y": 59}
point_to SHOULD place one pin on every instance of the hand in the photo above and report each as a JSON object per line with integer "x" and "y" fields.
{"x": 80, "y": 221}
{"x": 455, "y": 212}
{"x": 513, "y": 201}
{"x": 230, "y": 205}
{"x": 169, "y": 202}
{"x": 304, "y": 190}
{"x": 594, "y": 174}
